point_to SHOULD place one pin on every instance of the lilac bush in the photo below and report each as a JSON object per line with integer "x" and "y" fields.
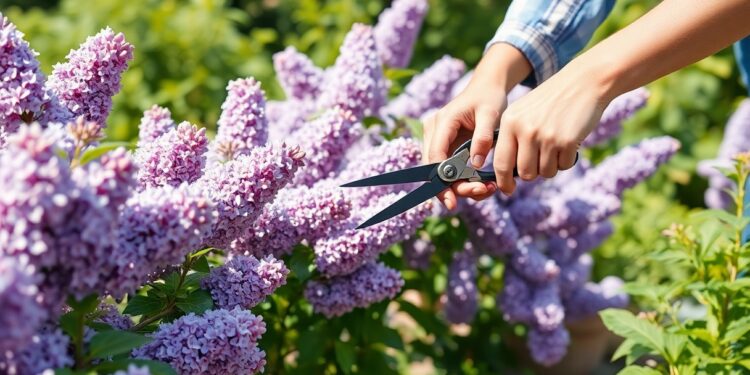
{"x": 397, "y": 30}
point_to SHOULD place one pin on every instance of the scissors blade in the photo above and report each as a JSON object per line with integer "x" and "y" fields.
{"x": 416, "y": 174}
{"x": 419, "y": 195}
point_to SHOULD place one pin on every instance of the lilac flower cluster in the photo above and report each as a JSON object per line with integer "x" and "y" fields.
{"x": 417, "y": 252}
{"x": 217, "y": 343}
{"x": 339, "y": 295}
{"x": 245, "y": 281}
{"x": 243, "y": 116}
{"x": 397, "y": 30}
{"x": 736, "y": 140}
{"x": 620, "y": 109}
{"x": 545, "y": 232}
{"x": 428, "y": 90}
{"x": 155, "y": 122}
{"x": 108, "y": 314}
{"x": 462, "y": 296}
{"x": 47, "y": 351}
{"x": 86, "y": 83}
{"x": 20, "y": 313}
{"x": 298, "y": 76}
{"x": 175, "y": 157}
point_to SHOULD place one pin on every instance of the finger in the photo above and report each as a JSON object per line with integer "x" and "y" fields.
{"x": 444, "y": 133}
{"x": 448, "y": 199}
{"x": 427, "y": 128}
{"x": 528, "y": 159}
{"x": 481, "y": 197}
{"x": 548, "y": 160}
{"x": 566, "y": 158}
{"x": 481, "y": 141}
{"x": 470, "y": 189}
{"x": 505, "y": 159}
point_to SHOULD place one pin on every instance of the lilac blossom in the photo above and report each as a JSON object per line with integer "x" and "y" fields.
{"x": 242, "y": 186}
{"x": 397, "y": 30}
{"x": 219, "y": 342}
{"x": 86, "y": 83}
{"x": 298, "y": 76}
{"x": 134, "y": 370}
{"x": 566, "y": 247}
{"x": 20, "y": 314}
{"x": 491, "y": 228}
{"x": 527, "y": 213}
{"x": 325, "y": 141}
{"x": 548, "y": 347}
{"x": 356, "y": 82}
{"x": 243, "y": 116}
{"x": 619, "y": 110}
{"x": 417, "y": 252}
{"x": 286, "y": 117}
{"x": 245, "y": 281}
{"x": 429, "y": 90}
{"x": 575, "y": 274}
{"x": 155, "y": 122}
{"x": 22, "y": 92}
{"x": 108, "y": 314}
{"x": 111, "y": 178}
{"x": 371, "y": 283}
{"x": 296, "y": 214}
{"x": 531, "y": 263}
{"x": 592, "y": 297}
{"x": 348, "y": 249}
{"x": 514, "y": 299}
{"x": 48, "y": 350}
{"x": 546, "y": 307}
{"x": 461, "y": 294}
{"x": 175, "y": 157}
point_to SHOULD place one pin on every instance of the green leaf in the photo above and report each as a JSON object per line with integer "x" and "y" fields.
{"x": 344, "y": 355}
{"x": 674, "y": 344}
{"x": 201, "y": 253}
{"x": 371, "y": 120}
{"x": 71, "y": 324}
{"x": 155, "y": 367}
{"x": 625, "y": 324}
{"x": 299, "y": 265}
{"x": 415, "y": 127}
{"x": 736, "y": 330}
{"x": 103, "y": 148}
{"x": 311, "y": 349}
{"x": 64, "y": 371}
{"x": 193, "y": 281}
{"x": 196, "y": 302}
{"x": 143, "y": 305}
{"x": 631, "y": 350}
{"x": 86, "y": 305}
{"x": 397, "y": 74}
{"x": 201, "y": 265}
{"x": 109, "y": 343}
{"x": 638, "y": 370}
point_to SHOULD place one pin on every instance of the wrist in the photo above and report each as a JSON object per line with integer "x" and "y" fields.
{"x": 502, "y": 66}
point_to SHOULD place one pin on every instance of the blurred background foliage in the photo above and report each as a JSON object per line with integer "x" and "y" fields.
{"x": 187, "y": 50}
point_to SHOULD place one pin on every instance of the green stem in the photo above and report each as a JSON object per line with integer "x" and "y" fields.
{"x": 170, "y": 306}
{"x": 80, "y": 359}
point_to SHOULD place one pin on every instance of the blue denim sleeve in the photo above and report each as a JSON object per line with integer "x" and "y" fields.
{"x": 742, "y": 54}
{"x": 550, "y": 32}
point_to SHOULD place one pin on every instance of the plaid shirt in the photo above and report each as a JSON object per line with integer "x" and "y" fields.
{"x": 551, "y": 32}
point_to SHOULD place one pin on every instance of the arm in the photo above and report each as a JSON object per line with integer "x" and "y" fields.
{"x": 540, "y": 132}
{"x": 537, "y": 36}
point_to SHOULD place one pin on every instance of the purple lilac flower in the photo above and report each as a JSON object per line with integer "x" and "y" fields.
{"x": 296, "y": 214}
{"x": 371, "y": 283}
{"x": 134, "y": 370}
{"x": 242, "y": 186}
{"x": 592, "y": 298}
{"x": 491, "y": 229}
{"x": 325, "y": 141}
{"x": 574, "y": 274}
{"x": 514, "y": 301}
{"x": 155, "y": 122}
{"x": 298, "y": 76}
{"x": 396, "y": 154}
{"x": 527, "y": 213}
{"x": 175, "y": 157}
{"x": 108, "y": 314}
{"x": 111, "y": 178}
{"x": 397, "y": 30}
{"x": 348, "y": 249}
{"x": 356, "y": 82}
{"x": 548, "y": 347}
{"x": 48, "y": 351}
{"x": 619, "y": 110}
{"x": 532, "y": 264}
{"x": 564, "y": 248}
{"x": 628, "y": 167}
{"x": 219, "y": 342}
{"x": 21, "y": 79}
{"x": 736, "y": 139}
{"x": 547, "y": 307}
{"x": 574, "y": 210}
{"x": 286, "y": 117}
{"x": 417, "y": 252}
{"x": 461, "y": 294}
{"x": 245, "y": 281}
{"x": 157, "y": 228}
{"x": 429, "y": 90}
{"x": 86, "y": 83}
{"x": 243, "y": 116}
{"x": 20, "y": 314}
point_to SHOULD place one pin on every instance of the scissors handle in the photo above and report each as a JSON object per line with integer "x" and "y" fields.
{"x": 490, "y": 175}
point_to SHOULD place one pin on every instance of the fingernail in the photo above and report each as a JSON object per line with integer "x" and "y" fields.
{"x": 477, "y": 161}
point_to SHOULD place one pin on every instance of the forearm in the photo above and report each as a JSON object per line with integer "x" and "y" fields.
{"x": 502, "y": 66}
{"x": 672, "y": 35}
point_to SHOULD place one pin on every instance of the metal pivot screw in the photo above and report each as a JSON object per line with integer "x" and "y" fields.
{"x": 449, "y": 171}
